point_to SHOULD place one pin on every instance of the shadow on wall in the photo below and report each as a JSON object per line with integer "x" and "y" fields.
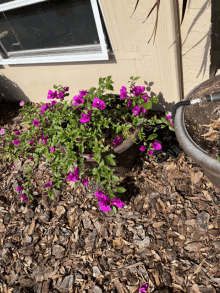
{"x": 162, "y": 105}
{"x": 10, "y": 90}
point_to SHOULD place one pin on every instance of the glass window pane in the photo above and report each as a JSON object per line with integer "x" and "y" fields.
{"x": 5, "y": 1}
{"x": 54, "y": 24}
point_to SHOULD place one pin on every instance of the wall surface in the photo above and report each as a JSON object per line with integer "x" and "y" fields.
{"x": 196, "y": 41}
{"x": 156, "y": 63}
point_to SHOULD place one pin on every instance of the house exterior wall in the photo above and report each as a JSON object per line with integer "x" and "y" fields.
{"x": 155, "y": 64}
{"x": 196, "y": 41}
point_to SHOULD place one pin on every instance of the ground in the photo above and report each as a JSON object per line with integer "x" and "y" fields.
{"x": 167, "y": 235}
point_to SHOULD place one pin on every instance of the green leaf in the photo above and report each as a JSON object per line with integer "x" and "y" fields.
{"x": 148, "y": 105}
{"x": 110, "y": 161}
{"x": 115, "y": 178}
{"x": 54, "y": 86}
{"x": 104, "y": 182}
{"x": 120, "y": 189}
{"x": 100, "y": 81}
{"x": 155, "y": 100}
{"x": 171, "y": 128}
{"x": 97, "y": 178}
{"x": 114, "y": 209}
{"x": 109, "y": 87}
{"x": 95, "y": 171}
{"x": 164, "y": 120}
{"x": 152, "y": 136}
{"x": 136, "y": 78}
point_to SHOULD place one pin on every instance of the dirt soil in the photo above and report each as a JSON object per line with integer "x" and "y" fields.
{"x": 167, "y": 235}
{"x": 202, "y": 120}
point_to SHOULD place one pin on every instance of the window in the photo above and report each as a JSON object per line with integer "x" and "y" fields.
{"x": 43, "y": 31}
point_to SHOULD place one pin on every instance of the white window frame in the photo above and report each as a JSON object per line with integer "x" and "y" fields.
{"x": 66, "y": 54}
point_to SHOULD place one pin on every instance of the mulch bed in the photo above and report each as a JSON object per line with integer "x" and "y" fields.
{"x": 167, "y": 234}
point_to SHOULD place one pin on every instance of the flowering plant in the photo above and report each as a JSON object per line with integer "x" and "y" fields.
{"x": 61, "y": 132}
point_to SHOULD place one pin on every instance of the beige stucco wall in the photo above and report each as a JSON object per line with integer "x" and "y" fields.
{"x": 134, "y": 56}
{"x": 196, "y": 40}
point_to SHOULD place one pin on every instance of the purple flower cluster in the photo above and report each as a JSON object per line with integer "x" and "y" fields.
{"x": 86, "y": 117}
{"x": 97, "y": 103}
{"x": 23, "y": 196}
{"x": 104, "y": 201}
{"x": 155, "y": 145}
{"x": 136, "y": 110}
{"x": 143, "y": 288}
{"x": 123, "y": 92}
{"x": 137, "y": 90}
{"x": 54, "y": 95}
{"x": 118, "y": 140}
{"x": 74, "y": 176}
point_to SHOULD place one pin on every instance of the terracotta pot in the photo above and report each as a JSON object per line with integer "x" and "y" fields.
{"x": 125, "y": 156}
{"x": 210, "y": 166}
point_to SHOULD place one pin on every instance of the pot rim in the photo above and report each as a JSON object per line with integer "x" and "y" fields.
{"x": 121, "y": 148}
{"x": 186, "y": 142}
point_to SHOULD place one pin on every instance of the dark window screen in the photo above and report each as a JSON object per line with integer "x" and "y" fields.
{"x": 49, "y": 25}
{"x": 6, "y": 1}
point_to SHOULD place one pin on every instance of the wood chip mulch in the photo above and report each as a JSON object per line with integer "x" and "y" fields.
{"x": 167, "y": 235}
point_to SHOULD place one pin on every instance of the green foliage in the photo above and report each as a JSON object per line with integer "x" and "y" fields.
{"x": 81, "y": 138}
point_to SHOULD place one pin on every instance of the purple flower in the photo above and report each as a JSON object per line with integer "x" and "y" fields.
{"x": 24, "y": 197}
{"x": 61, "y": 96}
{"x": 79, "y": 139}
{"x": 117, "y": 202}
{"x": 118, "y": 140}
{"x": 35, "y": 122}
{"x": 145, "y": 98}
{"x": 85, "y": 118}
{"x": 17, "y": 133}
{"x": 150, "y": 153}
{"x": 77, "y": 100}
{"x": 83, "y": 93}
{"x": 19, "y": 188}
{"x": 13, "y": 167}
{"x": 142, "y": 148}
{"x": 168, "y": 117}
{"x": 85, "y": 182}
{"x": 137, "y": 90}
{"x": 31, "y": 158}
{"x": 143, "y": 288}
{"x": 129, "y": 102}
{"x": 136, "y": 110}
{"x": 143, "y": 110}
{"x": 156, "y": 145}
{"x": 171, "y": 123}
{"x": 2, "y": 131}
{"x": 44, "y": 139}
{"x": 48, "y": 184}
{"x": 51, "y": 95}
{"x": 103, "y": 201}
{"x": 74, "y": 176}
{"x": 66, "y": 89}
{"x": 22, "y": 103}
{"x": 91, "y": 156}
{"x": 53, "y": 149}
{"x": 16, "y": 142}
{"x": 44, "y": 108}
{"x": 123, "y": 92}
{"x": 53, "y": 103}
{"x": 97, "y": 103}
